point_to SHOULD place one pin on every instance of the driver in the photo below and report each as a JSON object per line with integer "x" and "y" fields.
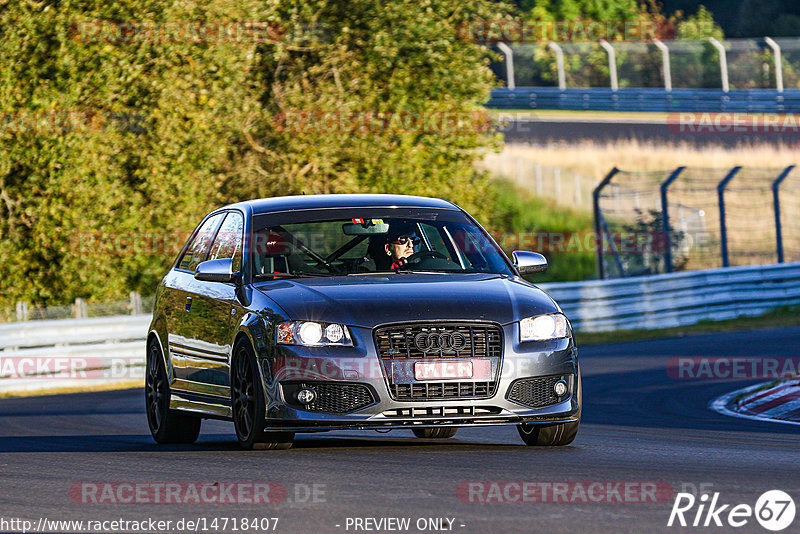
{"x": 400, "y": 243}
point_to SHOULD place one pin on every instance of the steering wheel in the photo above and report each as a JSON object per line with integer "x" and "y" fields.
{"x": 425, "y": 254}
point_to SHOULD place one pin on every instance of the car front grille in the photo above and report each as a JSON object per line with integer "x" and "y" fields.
{"x": 332, "y": 397}
{"x": 536, "y": 392}
{"x": 410, "y": 342}
{"x": 443, "y": 390}
{"x": 420, "y": 341}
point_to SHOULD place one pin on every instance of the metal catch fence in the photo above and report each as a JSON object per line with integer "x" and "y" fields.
{"x": 136, "y": 304}
{"x": 694, "y": 218}
{"x": 561, "y": 185}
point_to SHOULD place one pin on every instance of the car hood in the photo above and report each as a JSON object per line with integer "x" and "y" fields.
{"x": 370, "y": 300}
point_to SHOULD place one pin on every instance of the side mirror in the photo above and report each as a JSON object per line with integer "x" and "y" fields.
{"x": 526, "y": 262}
{"x": 216, "y": 271}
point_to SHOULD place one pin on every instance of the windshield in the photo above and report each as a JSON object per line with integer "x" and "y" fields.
{"x": 371, "y": 240}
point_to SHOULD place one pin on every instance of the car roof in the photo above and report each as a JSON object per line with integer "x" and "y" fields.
{"x": 310, "y": 202}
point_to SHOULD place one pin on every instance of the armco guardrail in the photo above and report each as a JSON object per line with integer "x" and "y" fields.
{"x": 677, "y": 299}
{"x": 51, "y": 354}
{"x": 647, "y": 99}
{"x": 38, "y": 354}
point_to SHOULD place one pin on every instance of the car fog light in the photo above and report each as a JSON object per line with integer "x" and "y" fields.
{"x": 560, "y": 388}
{"x": 306, "y": 396}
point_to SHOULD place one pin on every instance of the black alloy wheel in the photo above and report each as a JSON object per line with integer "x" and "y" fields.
{"x": 166, "y": 426}
{"x": 248, "y": 404}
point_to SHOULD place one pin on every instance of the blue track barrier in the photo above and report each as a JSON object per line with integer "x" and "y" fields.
{"x": 686, "y": 100}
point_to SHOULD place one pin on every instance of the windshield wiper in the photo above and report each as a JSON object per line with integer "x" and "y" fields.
{"x": 422, "y": 271}
{"x": 295, "y": 274}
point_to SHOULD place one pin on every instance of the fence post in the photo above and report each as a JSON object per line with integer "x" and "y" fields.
{"x": 612, "y": 63}
{"x": 506, "y": 50}
{"x": 557, "y": 183}
{"x": 539, "y": 186}
{"x": 562, "y": 77}
{"x": 136, "y": 303}
{"x": 22, "y": 311}
{"x": 598, "y": 231}
{"x": 723, "y": 232}
{"x": 776, "y": 203}
{"x": 79, "y": 309}
{"x": 665, "y": 58}
{"x": 723, "y": 63}
{"x": 665, "y": 218}
{"x": 776, "y": 49}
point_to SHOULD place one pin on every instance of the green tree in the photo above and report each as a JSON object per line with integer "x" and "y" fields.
{"x": 700, "y": 25}
{"x": 159, "y": 130}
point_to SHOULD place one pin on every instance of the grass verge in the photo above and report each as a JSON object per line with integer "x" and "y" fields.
{"x": 594, "y": 159}
{"x": 523, "y": 221}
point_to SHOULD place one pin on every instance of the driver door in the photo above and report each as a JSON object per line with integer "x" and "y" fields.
{"x": 204, "y": 345}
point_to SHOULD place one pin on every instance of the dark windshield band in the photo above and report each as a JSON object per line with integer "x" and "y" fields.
{"x": 341, "y": 241}
{"x": 265, "y": 220}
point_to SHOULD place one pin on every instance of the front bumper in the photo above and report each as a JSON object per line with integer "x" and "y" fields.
{"x": 361, "y": 364}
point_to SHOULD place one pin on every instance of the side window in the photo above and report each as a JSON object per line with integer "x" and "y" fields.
{"x": 200, "y": 244}
{"x": 228, "y": 243}
{"x": 435, "y": 238}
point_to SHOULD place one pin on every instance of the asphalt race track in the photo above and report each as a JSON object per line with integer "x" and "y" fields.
{"x": 639, "y": 425}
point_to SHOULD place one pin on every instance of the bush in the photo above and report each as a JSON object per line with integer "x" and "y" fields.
{"x": 163, "y": 130}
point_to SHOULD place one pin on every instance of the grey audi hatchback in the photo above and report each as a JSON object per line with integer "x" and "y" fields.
{"x": 370, "y": 312}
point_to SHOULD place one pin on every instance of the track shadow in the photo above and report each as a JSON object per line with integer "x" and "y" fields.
{"x": 226, "y": 442}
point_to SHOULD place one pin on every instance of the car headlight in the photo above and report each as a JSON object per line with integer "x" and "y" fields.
{"x": 313, "y": 333}
{"x": 543, "y": 327}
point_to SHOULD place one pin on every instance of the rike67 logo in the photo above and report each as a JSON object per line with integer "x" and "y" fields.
{"x": 774, "y": 510}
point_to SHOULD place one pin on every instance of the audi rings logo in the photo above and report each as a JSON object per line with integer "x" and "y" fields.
{"x": 440, "y": 341}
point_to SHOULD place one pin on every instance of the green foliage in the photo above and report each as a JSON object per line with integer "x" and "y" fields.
{"x": 747, "y": 18}
{"x": 582, "y": 9}
{"x": 522, "y": 221}
{"x": 700, "y": 25}
{"x": 167, "y": 129}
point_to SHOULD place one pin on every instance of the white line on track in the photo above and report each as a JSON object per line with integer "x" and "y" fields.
{"x": 720, "y": 405}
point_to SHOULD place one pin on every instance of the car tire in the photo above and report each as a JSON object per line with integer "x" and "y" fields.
{"x": 548, "y": 435}
{"x": 435, "y": 433}
{"x": 166, "y": 426}
{"x": 248, "y": 404}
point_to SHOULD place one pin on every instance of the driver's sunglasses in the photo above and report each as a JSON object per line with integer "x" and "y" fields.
{"x": 404, "y": 239}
